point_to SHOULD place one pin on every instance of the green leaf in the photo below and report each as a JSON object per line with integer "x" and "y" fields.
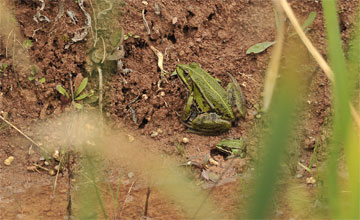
{"x": 309, "y": 20}
{"x": 4, "y": 66}
{"x": 34, "y": 70}
{"x": 81, "y": 86}
{"x": 31, "y": 78}
{"x": 62, "y": 91}
{"x": 78, "y": 106}
{"x": 174, "y": 73}
{"x": 80, "y": 97}
{"x": 42, "y": 80}
{"x": 260, "y": 47}
{"x": 116, "y": 37}
{"x": 27, "y": 44}
{"x": 91, "y": 99}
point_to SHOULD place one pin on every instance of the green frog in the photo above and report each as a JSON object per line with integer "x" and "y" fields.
{"x": 210, "y": 109}
{"x": 232, "y": 147}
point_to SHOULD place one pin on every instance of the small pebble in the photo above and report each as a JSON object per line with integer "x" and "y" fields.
{"x": 46, "y": 163}
{"x": 145, "y": 3}
{"x": 57, "y": 167}
{"x": 9, "y": 160}
{"x": 174, "y": 20}
{"x": 56, "y": 155}
{"x": 157, "y": 9}
{"x": 299, "y": 175}
{"x": 42, "y": 158}
{"x": 145, "y": 97}
{"x": 185, "y": 140}
{"x": 130, "y": 175}
{"x": 310, "y": 180}
{"x": 159, "y": 130}
{"x": 162, "y": 93}
{"x": 31, "y": 168}
{"x": 131, "y": 138}
{"x": 52, "y": 172}
{"x": 154, "y": 134}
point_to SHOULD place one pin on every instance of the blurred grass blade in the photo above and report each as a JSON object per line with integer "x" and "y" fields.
{"x": 282, "y": 120}
{"x": 352, "y": 152}
{"x": 342, "y": 116}
{"x": 352, "y": 144}
{"x": 353, "y": 59}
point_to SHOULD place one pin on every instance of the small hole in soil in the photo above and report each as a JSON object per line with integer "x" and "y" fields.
{"x": 143, "y": 123}
{"x": 210, "y": 17}
{"x": 125, "y": 90}
{"x": 342, "y": 26}
{"x": 190, "y": 14}
{"x": 172, "y": 38}
{"x": 188, "y": 29}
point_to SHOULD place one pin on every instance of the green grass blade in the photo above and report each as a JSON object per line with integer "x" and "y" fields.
{"x": 282, "y": 120}
{"x": 353, "y": 59}
{"x": 342, "y": 116}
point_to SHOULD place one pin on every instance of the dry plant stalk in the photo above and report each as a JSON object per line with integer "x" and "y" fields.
{"x": 22, "y": 133}
{"x": 272, "y": 70}
{"x": 314, "y": 52}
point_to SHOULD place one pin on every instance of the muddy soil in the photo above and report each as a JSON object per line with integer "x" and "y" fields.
{"x": 215, "y": 34}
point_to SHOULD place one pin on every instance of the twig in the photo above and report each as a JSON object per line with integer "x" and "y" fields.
{"x": 128, "y": 193}
{"x": 68, "y": 208}
{"x": 145, "y": 22}
{"x": 213, "y": 188}
{"x": 95, "y": 25}
{"x": 41, "y": 167}
{"x": 7, "y": 40}
{"x": 105, "y": 11}
{"x": 104, "y": 48}
{"x": 272, "y": 70}
{"x": 22, "y": 133}
{"x": 147, "y": 201}
{"x": 57, "y": 174}
{"x": 305, "y": 167}
{"x": 71, "y": 88}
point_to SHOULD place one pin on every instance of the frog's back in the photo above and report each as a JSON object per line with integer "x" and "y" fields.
{"x": 212, "y": 91}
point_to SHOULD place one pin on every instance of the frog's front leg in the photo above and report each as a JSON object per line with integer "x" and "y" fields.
{"x": 181, "y": 74}
{"x": 187, "y": 109}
